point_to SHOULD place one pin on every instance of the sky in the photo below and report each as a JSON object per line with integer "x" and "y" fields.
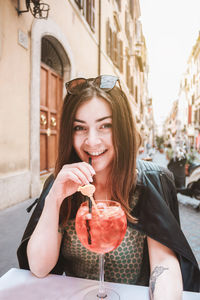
{"x": 171, "y": 28}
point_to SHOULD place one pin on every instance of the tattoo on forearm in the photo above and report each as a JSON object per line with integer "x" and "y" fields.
{"x": 154, "y": 275}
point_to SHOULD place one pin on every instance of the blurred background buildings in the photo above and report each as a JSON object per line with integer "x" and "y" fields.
{"x": 44, "y": 45}
{"x": 183, "y": 123}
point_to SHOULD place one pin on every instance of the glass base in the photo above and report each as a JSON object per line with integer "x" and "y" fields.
{"x": 93, "y": 295}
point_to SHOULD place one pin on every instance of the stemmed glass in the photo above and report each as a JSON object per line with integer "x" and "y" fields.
{"x": 101, "y": 231}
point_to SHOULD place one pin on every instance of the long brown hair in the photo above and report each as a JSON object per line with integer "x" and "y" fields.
{"x": 126, "y": 141}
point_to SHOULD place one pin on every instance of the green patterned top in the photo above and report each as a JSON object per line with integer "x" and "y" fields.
{"x": 122, "y": 265}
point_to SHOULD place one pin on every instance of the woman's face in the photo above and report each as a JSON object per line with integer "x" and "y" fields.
{"x": 92, "y": 136}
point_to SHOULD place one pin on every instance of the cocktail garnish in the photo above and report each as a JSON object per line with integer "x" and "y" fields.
{"x": 88, "y": 190}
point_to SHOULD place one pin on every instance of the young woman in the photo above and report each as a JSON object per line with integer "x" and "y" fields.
{"x": 97, "y": 123}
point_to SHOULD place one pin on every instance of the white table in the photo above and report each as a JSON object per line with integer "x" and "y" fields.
{"x": 19, "y": 284}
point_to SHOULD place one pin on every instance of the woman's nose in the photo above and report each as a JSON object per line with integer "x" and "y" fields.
{"x": 92, "y": 138}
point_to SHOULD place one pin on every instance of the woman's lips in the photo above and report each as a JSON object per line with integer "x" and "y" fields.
{"x": 95, "y": 153}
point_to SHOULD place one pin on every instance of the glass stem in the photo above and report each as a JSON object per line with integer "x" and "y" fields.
{"x": 102, "y": 291}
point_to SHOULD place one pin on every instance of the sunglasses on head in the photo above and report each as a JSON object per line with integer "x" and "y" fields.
{"x": 104, "y": 82}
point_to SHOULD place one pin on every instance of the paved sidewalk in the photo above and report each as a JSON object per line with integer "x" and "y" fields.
{"x": 190, "y": 224}
{"x": 13, "y": 221}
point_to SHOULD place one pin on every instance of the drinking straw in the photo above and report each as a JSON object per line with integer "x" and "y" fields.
{"x": 90, "y": 211}
{"x": 88, "y": 232}
{"x": 89, "y": 200}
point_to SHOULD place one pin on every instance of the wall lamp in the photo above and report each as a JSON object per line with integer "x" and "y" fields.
{"x": 37, "y": 9}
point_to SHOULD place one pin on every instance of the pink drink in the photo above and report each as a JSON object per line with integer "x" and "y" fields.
{"x": 101, "y": 233}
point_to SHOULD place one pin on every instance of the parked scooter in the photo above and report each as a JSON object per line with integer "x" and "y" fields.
{"x": 177, "y": 167}
{"x": 193, "y": 184}
{"x": 192, "y": 166}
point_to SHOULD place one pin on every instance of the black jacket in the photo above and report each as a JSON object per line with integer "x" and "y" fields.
{"x": 158, "y": 218}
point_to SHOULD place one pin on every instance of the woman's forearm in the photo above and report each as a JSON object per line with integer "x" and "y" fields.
{"x": 165, "y": 283}
{"x": 44, "y": 245}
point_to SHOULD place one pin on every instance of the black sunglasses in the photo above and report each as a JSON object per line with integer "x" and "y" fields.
{"x": 104, "y": 82}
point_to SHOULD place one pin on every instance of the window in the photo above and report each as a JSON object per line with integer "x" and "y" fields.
{"x": 118, "y": 4}
{"x": 199, "y": 116}
{"x": 185, "y": 82}
{"x": 192, "y": 99}
{"x": 114, "y": 47}
{"x": 196, "y": 116}
{"x": 89, "y": 12}
{"x": 51, "y": 57}
{"x": 189, "y": 114}
{"x": 127, "y": 25}
{"x": 128, "y": 73}
{"x": 79, "y": 3}
{"x": 108, "y": 39}
{"x": 132, "y": 85}
{"x": 193, "y": 79}
{"x": 121, "y": 56}
{"x": 136, "y": 94}
{"x": 131, "y": 7}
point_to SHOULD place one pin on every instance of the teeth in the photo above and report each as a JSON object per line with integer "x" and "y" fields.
{"x": 96, "y": 153}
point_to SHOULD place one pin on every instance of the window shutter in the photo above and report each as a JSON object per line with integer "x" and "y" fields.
{"x": 132, "y": 85}
{"x": 108, "y": 40}
{"x": 131, "y": 7}
{"x": 136, "y": 94}
{"x": 92, "y": 24}
{"x": 189, "y": 114}
{"x": 199, "y": 116}
{"x": 79, "y": 3}
{"x": 88, "y": 11}
{"x": 128, "y": 73}
{"x": 112, "y": 45}
{"x": 115, "y": 48}
{"x": 85, "y": 8}
{"x": 121, "y": 59}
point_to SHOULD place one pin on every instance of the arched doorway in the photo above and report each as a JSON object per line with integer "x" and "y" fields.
{"x": 51, "y": 98}
{"x": 50, "y": 30}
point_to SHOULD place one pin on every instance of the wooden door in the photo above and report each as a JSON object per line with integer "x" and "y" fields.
{"x": 50, "y": 107}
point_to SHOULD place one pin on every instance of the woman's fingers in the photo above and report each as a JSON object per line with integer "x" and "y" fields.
{"x": 75, "y": 175}
{"x": 71, "y": 177}
{"x": 83, "y": 170}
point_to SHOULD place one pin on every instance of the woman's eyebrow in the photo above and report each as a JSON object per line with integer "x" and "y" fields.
{"x": 98, "y": 120}
{"x": 104, "y": 118}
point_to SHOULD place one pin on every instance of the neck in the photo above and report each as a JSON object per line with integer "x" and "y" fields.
{"x": 102, "y": 187}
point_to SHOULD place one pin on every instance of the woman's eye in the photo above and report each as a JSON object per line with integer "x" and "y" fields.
{"x": 78, "y": 128}
{"x": 107, "y": 125}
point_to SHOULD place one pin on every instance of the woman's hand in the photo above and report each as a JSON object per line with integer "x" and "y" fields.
{"x": 69, "y": 179}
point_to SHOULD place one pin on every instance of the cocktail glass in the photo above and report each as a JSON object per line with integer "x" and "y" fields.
{"x": 101, "y": 231}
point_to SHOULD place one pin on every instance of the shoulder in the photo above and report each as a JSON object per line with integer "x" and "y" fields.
{"x": 49, "y": 180}
{"x": 146, "y": 168}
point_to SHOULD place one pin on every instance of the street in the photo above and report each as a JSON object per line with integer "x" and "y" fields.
{"x": 190, "y": 223}
{"x": 14, "y": 219}
{"x": 189, "y": 215}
